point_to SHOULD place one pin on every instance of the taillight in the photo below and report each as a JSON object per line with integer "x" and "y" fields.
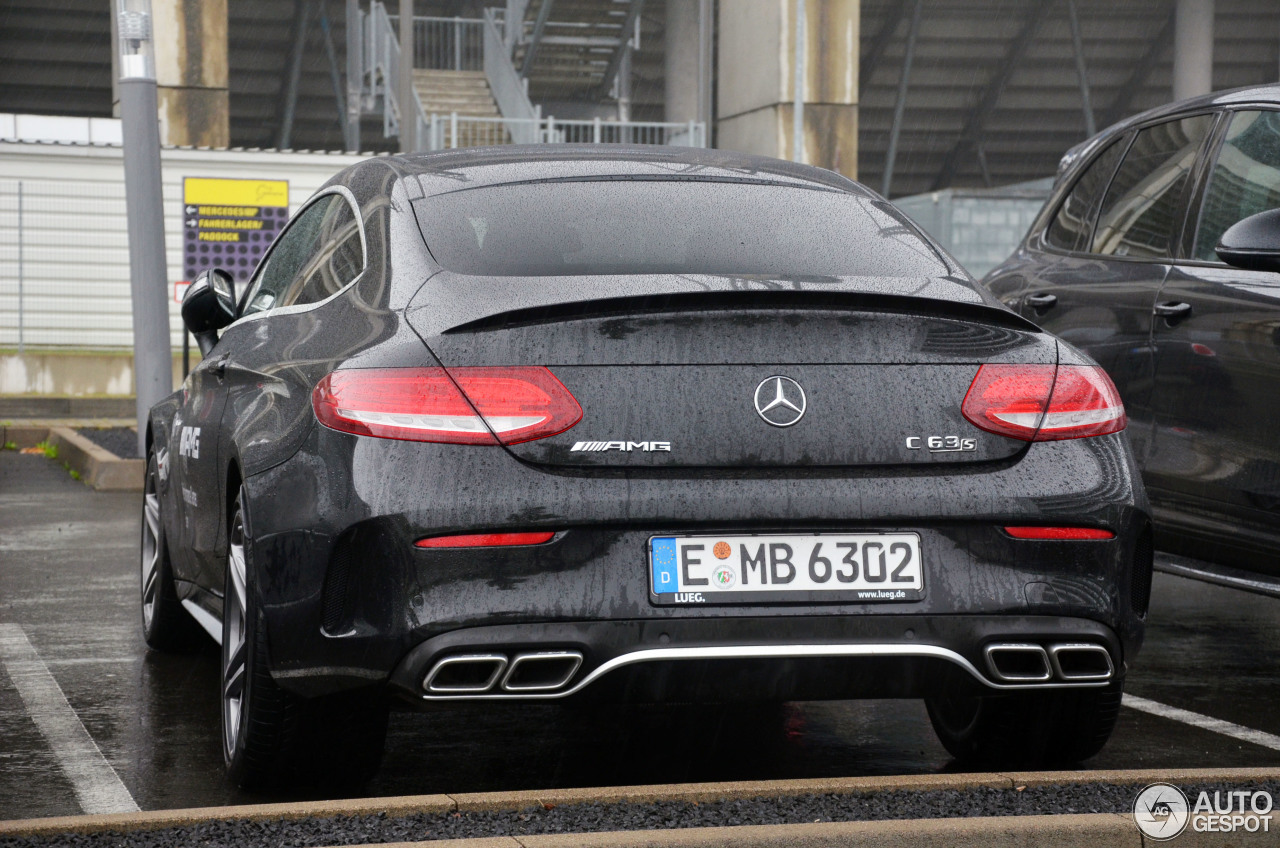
{"x": 1073, "y": 534}
{"x": 1040, "y": 403}
{"x": 517, "y": 404}
{"x": 485, "y": 540}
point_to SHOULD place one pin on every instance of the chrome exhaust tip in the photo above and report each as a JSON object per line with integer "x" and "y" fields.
{"x": 1081, "y": 662}
{"x": 1018, "y": 663}
{"x": 465, "y": 674}
{"x": 542, "y": 671}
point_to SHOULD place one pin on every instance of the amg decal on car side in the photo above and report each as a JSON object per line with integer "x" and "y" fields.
{"x": 621, "y": 446}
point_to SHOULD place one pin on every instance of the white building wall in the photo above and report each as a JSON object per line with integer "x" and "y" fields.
{"x": 73, "y": 237}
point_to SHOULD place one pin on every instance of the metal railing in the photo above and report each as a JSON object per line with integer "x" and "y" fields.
{"x": 509, "y": 90}
{"x": 445, "y": 132}
{"x": 446, "y": 44}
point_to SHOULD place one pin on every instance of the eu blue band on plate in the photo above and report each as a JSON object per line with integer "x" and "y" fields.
{"x": 662, "y": 555}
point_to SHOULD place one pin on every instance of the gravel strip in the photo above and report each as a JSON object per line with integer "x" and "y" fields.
{"x": 584, "y": 818}
{"x": 121, "y": 441}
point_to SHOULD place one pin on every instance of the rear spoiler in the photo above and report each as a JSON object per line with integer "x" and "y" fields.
{"x": 756, "y": 299}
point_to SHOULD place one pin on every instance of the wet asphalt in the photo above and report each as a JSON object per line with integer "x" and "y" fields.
{"x": 68, "y": 579}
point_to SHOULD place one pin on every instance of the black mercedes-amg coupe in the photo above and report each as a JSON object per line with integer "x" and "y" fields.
{"x": 636, "y": 423}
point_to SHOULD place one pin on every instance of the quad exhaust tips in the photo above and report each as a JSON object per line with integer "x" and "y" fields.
{"x": 476, "y": 674}
{"x": 551, "y": 674}
{"x": 1032, "y": 663}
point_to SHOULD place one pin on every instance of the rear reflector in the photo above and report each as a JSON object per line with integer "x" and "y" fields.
{"x": 1040, "y": 403}
{"x": 462, "y": 406}
{"x": 485, "y": 540}
{"x": 1059, "y": 533}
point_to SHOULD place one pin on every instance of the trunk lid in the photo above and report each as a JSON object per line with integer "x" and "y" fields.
{"x": 692, "y": 380}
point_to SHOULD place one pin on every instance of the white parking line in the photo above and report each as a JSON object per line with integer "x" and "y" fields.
{"x": 98, "y": 788}
{"x": 1217, "y": 725}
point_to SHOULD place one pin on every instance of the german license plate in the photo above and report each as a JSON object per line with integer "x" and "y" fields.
{"x": 853, "y": 567}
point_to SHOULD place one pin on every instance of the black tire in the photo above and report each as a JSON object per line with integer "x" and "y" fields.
{"x": 271, "y": 738}
{"x": 166, "y": 626}
{"x": 1025, "y": 729}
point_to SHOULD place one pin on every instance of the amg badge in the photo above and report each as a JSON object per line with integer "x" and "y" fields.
{"x": 621, "y": 446}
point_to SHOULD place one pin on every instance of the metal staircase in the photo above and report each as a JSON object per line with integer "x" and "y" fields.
{"x": 577, "y": 49}
{"x": 473, "y": 77}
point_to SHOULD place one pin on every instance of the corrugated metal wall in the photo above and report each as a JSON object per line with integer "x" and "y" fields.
{"x": 69, "y": 253}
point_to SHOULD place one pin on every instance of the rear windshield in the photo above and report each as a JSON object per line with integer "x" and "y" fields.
{"x": 667, "y": 227}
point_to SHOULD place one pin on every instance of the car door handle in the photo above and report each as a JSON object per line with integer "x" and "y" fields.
{"x": 1041, "y": 302}
{"x": 1172, "y": 309}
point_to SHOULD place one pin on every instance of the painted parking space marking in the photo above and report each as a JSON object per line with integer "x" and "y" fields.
{"x": 97, "y": 786}
{"x": 1204, "y": 722}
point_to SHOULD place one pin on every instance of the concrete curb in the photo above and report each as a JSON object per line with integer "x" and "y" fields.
{"x": 691, "y": 792}
{"x": 98, "y": 468}
{"x": 101, "y": 469}
{"x": 1102, "y": 830}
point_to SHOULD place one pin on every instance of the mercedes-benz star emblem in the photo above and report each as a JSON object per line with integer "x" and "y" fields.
{"x": 780, "y": 401}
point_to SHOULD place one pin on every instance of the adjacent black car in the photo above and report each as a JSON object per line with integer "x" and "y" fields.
{"x": 1143, "y": 258}
{"x": 648, "y": 424}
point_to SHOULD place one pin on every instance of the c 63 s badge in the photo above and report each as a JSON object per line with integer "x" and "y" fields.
{"x": 626, "y": 447}
{"x": 941, "y": 444}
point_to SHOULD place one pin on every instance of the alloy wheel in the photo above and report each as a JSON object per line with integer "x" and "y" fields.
{"x": 150, "y": 564}
{"x": 234, "y": 643}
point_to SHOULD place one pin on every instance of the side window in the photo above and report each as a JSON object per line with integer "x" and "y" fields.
{"x": 1141, "y": 211}
{"x": 1245, "y": 179}
{"x": 290, "y": 254}
{"x": 338, "y": 261}
{"x": 1073, "y": 224}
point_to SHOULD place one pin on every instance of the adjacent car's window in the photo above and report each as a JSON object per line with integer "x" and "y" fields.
{"x": 316, "y": 256}
{"x": 1073, "y": 224}
{"x": 1141, "y": 210}
{"x": 1245, "y": 180}
{"x": 668, "y": 227}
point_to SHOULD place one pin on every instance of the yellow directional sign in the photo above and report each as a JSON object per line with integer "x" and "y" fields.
{"x": 229, "y": 223}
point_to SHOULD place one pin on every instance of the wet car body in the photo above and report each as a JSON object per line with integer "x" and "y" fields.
{"x": 1190, "y": 341}
{"x": 355, "y": 592}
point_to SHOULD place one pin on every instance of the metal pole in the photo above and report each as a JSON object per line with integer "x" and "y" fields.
{"x": 148, "y": 274}
{"x": 457, "y": 43}
{"x": 797, "y": 111}
{"x": 186, "y": 353}
{"x": 623, "y": 83}
{"x": 453, "y": 130}
{"x": 704, "y": 65}
{"x": 355, "y": 76}
{"x": 408, "y": 126}
{"x": 900, "y": 106}
{"x": 1077, "y": 43}
{"x": 21, "y": 275}
{"x": 334, "y": 77}
{"x": 285, "y": 136}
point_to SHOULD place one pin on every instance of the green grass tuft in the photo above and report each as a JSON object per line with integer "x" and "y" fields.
{"x": 50, "y": 450}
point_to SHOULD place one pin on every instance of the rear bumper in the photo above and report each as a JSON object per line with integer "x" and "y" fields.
{"x": 349, "y": 601}
{"x": 759, "y": 658}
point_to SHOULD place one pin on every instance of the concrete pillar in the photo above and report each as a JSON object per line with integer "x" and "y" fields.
{"x": 191, "y": 71}
{"x": 1193, "y": 49}
{"x": 756, "y": 80}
